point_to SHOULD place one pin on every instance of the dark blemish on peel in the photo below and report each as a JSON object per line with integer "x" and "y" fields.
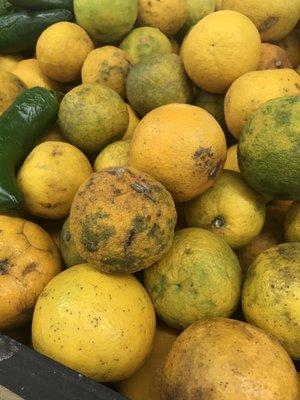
{"x": 268, "y": 23}
{"x": 218, "y": 222}
{"x": 29, "y": 268}
{"x": 142, "y": 189}
{"x": 4, "y": 266}
{"x": 56, "y": 152}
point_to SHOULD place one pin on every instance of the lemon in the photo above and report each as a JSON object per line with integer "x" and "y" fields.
{"x": 98, "y": 324}
{"x": 145, "y": 384}
{"x": 114, "y": 155}
{"x": 221, "y": 47}
{"x": 230, "y": 208}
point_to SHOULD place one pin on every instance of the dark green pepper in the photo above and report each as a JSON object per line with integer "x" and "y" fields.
{"x": 20, "y": 31}
{"x": 43, "y": 4}
{"x": 32, "y": 113}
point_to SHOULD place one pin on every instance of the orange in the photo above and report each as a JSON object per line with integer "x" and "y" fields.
{"x": 180, "y": 145}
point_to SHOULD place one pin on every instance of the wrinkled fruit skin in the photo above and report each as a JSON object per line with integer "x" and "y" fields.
{"x": 126, "y": 242}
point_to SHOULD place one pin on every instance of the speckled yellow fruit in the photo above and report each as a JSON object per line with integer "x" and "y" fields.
{"x": 67, "y": 246}
{"x": 97, "y": 324}
{"x": 291, "y": 44}
{"x": 180, "y": 145}
{"x": 272, "y": 20}
{"x": 31, "y": 74}
{"x": 253, "y": 89}
{"x": 224, "y": 359}
{"x": 220, "y": 48}
{"x": 61, "y": 50}
{"x": 107, "y": 65}
{"x": 273, "y": 57}
{"x": 9, "y": 61}
{"x": 199, "y": 277}
{"x": 145, "y": 41}
{"x": 114, "y": 155}
{"x": 292, "y": 223}
{"x": 122, "y": 220}
{"x": 54, "y": 134}
{"x": 145, "y": 384}
{"x": 10, "y": 88}
{"x": 166, "y": 15}
{"x": 91, "y": 116}
{"x": 271, "y": 235}
{"x": 232, "y": 160}
{"x": 133, "y": 122}
{"x": 230, "y": 208}
{"x": 28, "y": 260}
{"x": 271, "y": 293}
{"x": 50, "y": 177}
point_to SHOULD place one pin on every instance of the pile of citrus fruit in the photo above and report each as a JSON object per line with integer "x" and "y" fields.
{"x": 150, "y": 192}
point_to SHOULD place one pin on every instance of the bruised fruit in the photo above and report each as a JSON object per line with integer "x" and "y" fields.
{"x": 29, "y": 259}
{"x": 67, "y": 246}
{"x": 129, "y": 242}
{"x": 224, "y": 359}
{"x": 180, "y": 145}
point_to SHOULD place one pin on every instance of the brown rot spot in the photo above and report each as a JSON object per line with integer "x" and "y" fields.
{"x": 268, "y": 23}
{"x": 203, "y": 152}
{"x": 55, "y": 152}
{"x": 49, "y": 205}
{"x": 115, "y": 171}
{"x": 29, "y": 268}
{"x": 142, "y": 189}
{"x": 129, "y": 239}
{"x": 215, "y": 169}
{"x": 218, "y": 222}
{"x": 4, "y": 266}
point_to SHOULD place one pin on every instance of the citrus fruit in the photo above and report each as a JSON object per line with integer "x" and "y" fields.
{"x": 50, "y": 176}
{"x": 107, "y": 65}
{"x": 31, "y": 74}
{"x": 166, "y": 15}
{"x": 273, "y": 20}
{"x": 199, "y": 277}
{"x": 92, "y": 116}
{"x": 220, "y": 48}
{"x": 271, "y": 294}
{"x": 223, "y": 359}
{"x": 145, "y": 41}
{"x": 230, "y": 208}
{"x": 180, "y": 145}
{"x": 67, "y": 246}
{"x": 146, "y": 382}
{"x": 273, "y": 57}
{"x": 271, "y": 235}
{"x": 122, "y": 243}
{"x": 251, "y": 90}
{"x": 107, "y": 21}
{"x": 232, "y": 160}
{"x": 196, "y": 10}
{"x": 11, "y": 87}
{"x": 29, "y": 259}
{"x": 61, "y": 50}
{"x": 291, "y": 44}
{"x": 133, "y": 123}
{"x": 269, "y": 149}
{"x": 115, "y": 154}
{"x": 100, "y": 325}
{"x": 292, "y": 223}
{"x": 157, "y": 80}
